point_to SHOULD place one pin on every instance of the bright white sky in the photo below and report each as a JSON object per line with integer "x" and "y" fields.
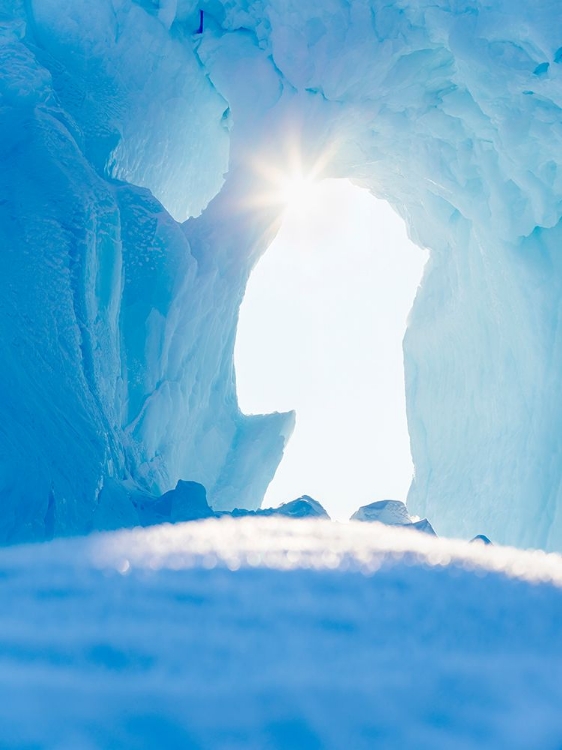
{"x": 320, "y": 332}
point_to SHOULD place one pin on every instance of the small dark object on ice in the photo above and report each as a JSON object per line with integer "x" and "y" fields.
{"x": 481, "y": 539}
{"x": 201, "y": 17}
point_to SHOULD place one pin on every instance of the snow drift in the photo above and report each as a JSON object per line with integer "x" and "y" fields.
{"x": 279, "y": 633}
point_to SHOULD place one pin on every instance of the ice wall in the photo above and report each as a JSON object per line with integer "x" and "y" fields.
{"x": 120, "y": 119}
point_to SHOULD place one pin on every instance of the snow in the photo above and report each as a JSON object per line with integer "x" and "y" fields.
{"x": 118, "y": 322}
{"x": 279, "y": 633}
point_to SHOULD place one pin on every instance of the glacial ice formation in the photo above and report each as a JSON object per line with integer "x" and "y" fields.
{"x": 138, "y": 143}
{"x": 302, "y": 507}
{"x": 188, "y": 502}
{"x": 391, "y": 513}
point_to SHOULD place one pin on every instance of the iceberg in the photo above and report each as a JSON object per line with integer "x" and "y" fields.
{"x": 424, "y": 526}
{"x": 302, "y": 507}
{"x": 481, "y": 539}
{"x": 139, "y": 144}
{"x": 186, "y": 502}
{"x": 391, "y": 512}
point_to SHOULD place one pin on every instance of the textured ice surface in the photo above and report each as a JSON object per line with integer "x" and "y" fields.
{"x": 425, "y": 526}
{"x": 302, "y": 507}
{"x": 392, "y": 512}
{"x": 186, "y": 502}
{"x": 117, "y": 324}
{"x": 265, "y": 633}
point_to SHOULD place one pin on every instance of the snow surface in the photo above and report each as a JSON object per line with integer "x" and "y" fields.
{"x": 117, "y": 323}
{"x": 279, "y": 633}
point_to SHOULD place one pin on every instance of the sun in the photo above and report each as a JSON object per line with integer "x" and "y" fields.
{"x": 298, "y": 192}
{"x": 288, "y": 180}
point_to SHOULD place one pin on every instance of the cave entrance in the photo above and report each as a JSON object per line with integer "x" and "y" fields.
{"x": 320, "y": 332}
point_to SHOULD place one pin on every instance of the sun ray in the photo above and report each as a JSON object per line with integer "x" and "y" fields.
{"x": 289, "y": 179}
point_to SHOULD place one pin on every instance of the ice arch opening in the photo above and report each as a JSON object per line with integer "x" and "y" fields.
{"x": 320, "y": 331}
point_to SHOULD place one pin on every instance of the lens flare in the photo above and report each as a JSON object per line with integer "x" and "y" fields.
{"x": 288, "y": 180}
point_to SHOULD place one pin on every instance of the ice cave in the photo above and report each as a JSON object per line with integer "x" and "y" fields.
{"x": 139, "y": 148}
{"x": 145, "y": 147}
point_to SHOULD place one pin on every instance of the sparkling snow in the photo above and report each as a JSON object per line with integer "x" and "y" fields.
{"x": 274, "y": 633}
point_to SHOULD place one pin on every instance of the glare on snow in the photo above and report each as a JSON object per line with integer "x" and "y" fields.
{"x": 287, "y": 544}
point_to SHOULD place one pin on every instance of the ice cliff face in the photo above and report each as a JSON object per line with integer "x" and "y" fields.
{"x": 137, "y": 142}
